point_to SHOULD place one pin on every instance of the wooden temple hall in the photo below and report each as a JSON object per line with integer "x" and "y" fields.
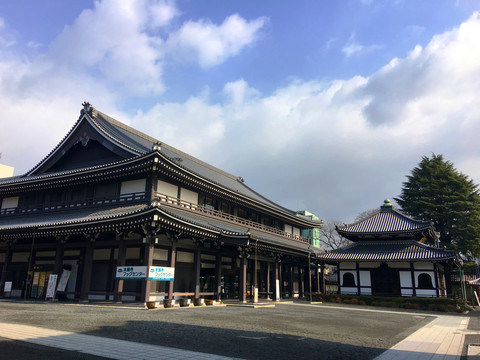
{"x": 109, "y": 199}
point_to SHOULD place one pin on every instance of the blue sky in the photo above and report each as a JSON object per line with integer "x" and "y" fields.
{"x": 319, "y": 105}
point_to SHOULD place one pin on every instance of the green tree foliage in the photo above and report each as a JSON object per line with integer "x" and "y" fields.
{"x": 436, "y": 191}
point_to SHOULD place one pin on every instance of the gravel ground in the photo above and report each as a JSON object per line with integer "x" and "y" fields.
{"x": 284, "y": 332}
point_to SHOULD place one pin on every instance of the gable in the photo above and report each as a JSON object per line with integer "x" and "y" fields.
{"x": 84, "y": 146}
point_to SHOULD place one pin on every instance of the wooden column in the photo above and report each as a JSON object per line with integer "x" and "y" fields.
{"x": 291, "y": 281}
{"x": 242, "y": 289}
{"x": 412, "y": 272}
{"x": 280, "y": 278}
{"x": 197, "y": 264}
{"x": 301, "y": 289}
{"x": 268, "y": 280}
{"x": 59, "y": 257}
{"x": 171, "y": 263}
{"x": 87, "y": 268}
{"x": 321, "y": 279}
{"x": 435, "y": 271}
{"x": 218, "y": 276}
{"x": 148, "y": 261}
{"x": 5, "y": 268}
{"x": 122, "y": 251}
{"x": 358, "y": 279}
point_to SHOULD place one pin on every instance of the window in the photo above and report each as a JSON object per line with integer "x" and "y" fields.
{"x": 348, "y": 280}
{"x": 425, "y": 281}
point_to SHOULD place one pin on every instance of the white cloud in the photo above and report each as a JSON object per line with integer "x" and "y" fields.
{"x": 341, "y": 147}
{"x": 336, "y": 148}
{"x": 210, "y": 44}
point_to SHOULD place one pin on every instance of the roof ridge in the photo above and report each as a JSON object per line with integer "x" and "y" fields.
{"x": 164, "y": 145}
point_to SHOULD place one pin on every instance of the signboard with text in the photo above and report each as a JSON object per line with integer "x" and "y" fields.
{"x": 131, "y": 273}
{"x": 160, "y": 273}
{"x": 52, "y": 282}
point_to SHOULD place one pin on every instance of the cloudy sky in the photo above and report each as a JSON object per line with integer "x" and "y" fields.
{"x": 318, "y": 105}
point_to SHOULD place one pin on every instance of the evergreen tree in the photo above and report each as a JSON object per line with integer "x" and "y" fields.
{"x": 436, "y": 191}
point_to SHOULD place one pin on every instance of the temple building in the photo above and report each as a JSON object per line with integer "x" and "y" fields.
{"x": 109, "y": 197}
{"x": 390, "y": 257}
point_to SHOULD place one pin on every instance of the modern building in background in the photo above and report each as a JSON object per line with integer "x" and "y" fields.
{"x": 5, "y": 171}
{"x": 313, "y": 234}
{"x": 110, "y": 199}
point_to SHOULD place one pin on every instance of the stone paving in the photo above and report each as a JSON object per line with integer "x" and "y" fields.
{"x": 98, "y": 346}
{"x": 443, "y": 338}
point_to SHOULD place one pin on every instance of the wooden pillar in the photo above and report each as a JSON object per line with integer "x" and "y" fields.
{"x": 268, "y": 280}
{"x": 197, "y": 264}
{"x": 358, "y": 279}
{"x": 148, "y": 261}
{"x": 291, "y": 281}
{"x": 242, "y": 289}
{"x": 412, "y": 272}
{"x": 321, "y": 279}
{"x": 171, "y": 263}
{"x": 435, "y": 271}
{"x": 59, "y": 257}
{"x": 218, "y": 276}
{"x": 5, "y": 268}
{"x": 301, "y": 283}
{"x": 122, "y": 251}
{"x": 280, "y": 278}
{"x": 87, "y": 268}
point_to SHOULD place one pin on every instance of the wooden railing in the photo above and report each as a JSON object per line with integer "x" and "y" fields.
{"x": 205, "y": 210}
{"x": 73, "y": 204}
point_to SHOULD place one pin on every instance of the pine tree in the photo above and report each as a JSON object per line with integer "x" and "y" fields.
{"x": 436, "y": 191}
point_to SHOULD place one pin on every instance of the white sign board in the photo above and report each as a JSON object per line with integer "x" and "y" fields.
{"x": 62, "y": 283}
{"x": 131, "y": 273}
{"x": 52, "y": 283}
{"x": 161, "y": 273}
{"x": 8, "y": 286}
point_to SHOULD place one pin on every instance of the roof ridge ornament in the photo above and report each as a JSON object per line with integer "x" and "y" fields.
{"x": 387, "y": 206}
{"x": 87, "y": 108}
{"x": 157, "y": 146}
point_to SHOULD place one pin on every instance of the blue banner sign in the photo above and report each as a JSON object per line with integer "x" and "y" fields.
{"x": 161, "y": 273}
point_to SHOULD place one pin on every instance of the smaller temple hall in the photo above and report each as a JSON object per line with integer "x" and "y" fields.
{"x": 390, "y": 257}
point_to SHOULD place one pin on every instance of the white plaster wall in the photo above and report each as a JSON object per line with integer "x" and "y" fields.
{"x": 407, "y": 292}
{"x": 426, "y": 293}
{"x": 423, "y": 265}
{"x": 10, "y": 202}
{"x": 365, "y": 279}
{"x": 349, "y": 290}
{"x": 347, "y": 265}
{"x": 405, "y": 278}
{"x": 133, "y": 186}
{"x": 166, "y": 188}
{"x": 369, "y": 264}
{"x": 399, "y": 265}
{"x": 366, "y": 291}
{"x": 188, "y": 196}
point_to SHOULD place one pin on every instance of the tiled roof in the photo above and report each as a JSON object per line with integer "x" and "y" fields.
{"x": 62, "y": 218}
{"x": 383, "y": 223}
{"x": 231, "y": 229}
{"x": 407, "y": 250}
{"x": 143, "y": 143}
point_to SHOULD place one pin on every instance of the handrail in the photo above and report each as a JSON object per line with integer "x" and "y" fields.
{"x": 175, "y": 202}
{"x": 65, "y": 205}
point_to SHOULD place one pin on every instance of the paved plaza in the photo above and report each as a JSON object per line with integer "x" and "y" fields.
{"x": 286, "y": 331}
